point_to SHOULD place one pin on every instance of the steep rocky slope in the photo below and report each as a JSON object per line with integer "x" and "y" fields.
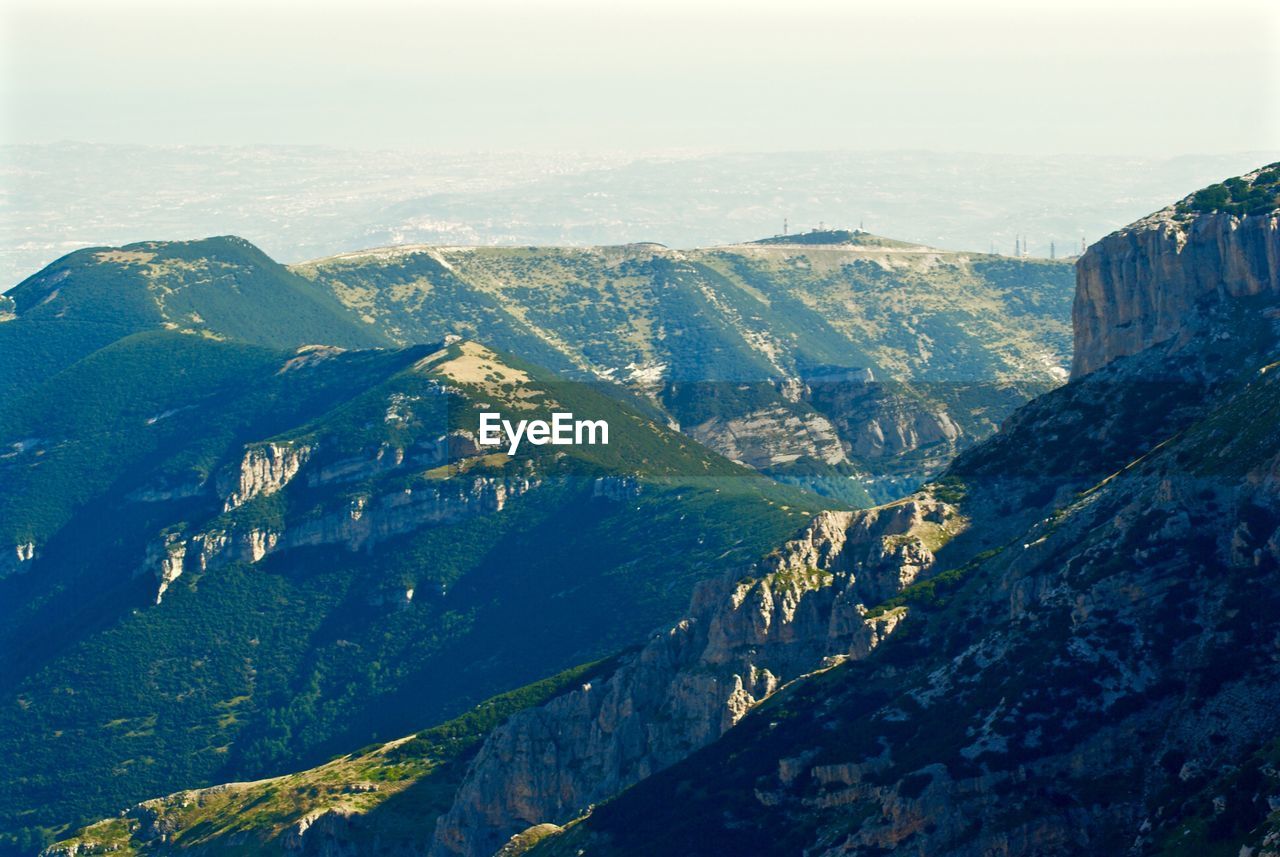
{"x": 1092, "y": 669}
{"x": 816, "y": 357}
{"x": 747, "y": 634}
{"x": 744, "y": 638}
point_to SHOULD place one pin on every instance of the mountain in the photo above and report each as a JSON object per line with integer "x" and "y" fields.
{"x": 245, "y": 522}
{"x": 814, "y": 357}
{"x": 223, "y": 559}
{"x": 225, "y": 286}
{"x": 1090, "y": 666}
{"x": 1065, "y": 644}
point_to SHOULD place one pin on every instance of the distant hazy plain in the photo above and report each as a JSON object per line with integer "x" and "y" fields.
{"x": 303, "y": 202}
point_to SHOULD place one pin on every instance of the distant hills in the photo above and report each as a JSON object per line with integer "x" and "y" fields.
{"x": 738, "y": 345}
{"x": 224, "y": 286}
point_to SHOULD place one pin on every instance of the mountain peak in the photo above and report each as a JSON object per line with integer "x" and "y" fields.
{"x": 831, "y": 238}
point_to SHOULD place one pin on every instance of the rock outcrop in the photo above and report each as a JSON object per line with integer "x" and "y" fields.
{"x": 771, "y": 436}
{"x": 800, "y": 609}
{"x": 18, "y": 558}
{"x": 1141, "y": 285}
{"x": 365, "y": 522}
{"x": 360, "y": 524}
{"x": 264, "y": 469}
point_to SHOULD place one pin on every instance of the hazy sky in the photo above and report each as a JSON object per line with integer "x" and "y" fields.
{"x": 1083, "y": 76}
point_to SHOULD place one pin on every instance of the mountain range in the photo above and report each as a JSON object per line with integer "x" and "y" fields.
{"x": 808, "y": 600}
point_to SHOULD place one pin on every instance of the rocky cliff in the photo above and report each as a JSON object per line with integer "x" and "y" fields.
{"x": 1140, "y": 285}
{"x": 360, "y": 523}
{"x": 1097, "y": 671}
{"x": 355, "y": 521}
{"x": 18, "y": 558}
{"x": 799, "y": 610}
{"x": 264, "y": 470}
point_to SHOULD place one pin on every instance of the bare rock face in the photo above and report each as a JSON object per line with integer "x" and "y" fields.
{"x": 366, "y": 522}
{"x": 166, "y": 559}
{"x": 771, "y": 436}
{"x": 360, "y": 524}
{"x": 798, "y": 610}
{"x": 18, "y": 558}
{"x": 901, "y": 435}
{"x": 1140, "y": 286}
{"x": 264, "y": 469}
{"x": 322, "y": 832}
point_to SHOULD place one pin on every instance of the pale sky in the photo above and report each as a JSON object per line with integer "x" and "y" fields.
{"x": 1136, "y": 77}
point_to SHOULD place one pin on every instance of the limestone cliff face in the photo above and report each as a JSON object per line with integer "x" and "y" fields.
{"x": 362, "y": 523}
{"x": 1140, "y": 286}
{"x": 264, "y": 469}
{"x": 897, "y": 428}
{"x": 365, "y": 522}
{"x": 1107, "y": 679}
{"x": 798, "y": 610}
{"x": 844, "y": 418}
{"x": 771, "y": 436}
{"x": 355, "y": 519}
{"x": 18, "y": 558}
{"x": 895, "y": 435}
{"x": 387, "y": 458}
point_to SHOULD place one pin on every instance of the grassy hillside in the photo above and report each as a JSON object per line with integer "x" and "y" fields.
{"x": 383, "y": 795}
{"x": 225, "y": 286}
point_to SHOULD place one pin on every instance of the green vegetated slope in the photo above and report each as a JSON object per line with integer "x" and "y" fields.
{"x": 395, "y": 577}
{"x": 732, "y": 342}
{"x": 93, "y": 297}
{"x": 1238, "y": 196}
{"x": 184, "y": 399}
{"x": 395, "y": 789}
{"x": 742, "y": 312}
{"x": 1087, "y": 667}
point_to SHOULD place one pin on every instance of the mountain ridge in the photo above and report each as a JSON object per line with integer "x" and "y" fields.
{"x": 1064, "y": 643}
